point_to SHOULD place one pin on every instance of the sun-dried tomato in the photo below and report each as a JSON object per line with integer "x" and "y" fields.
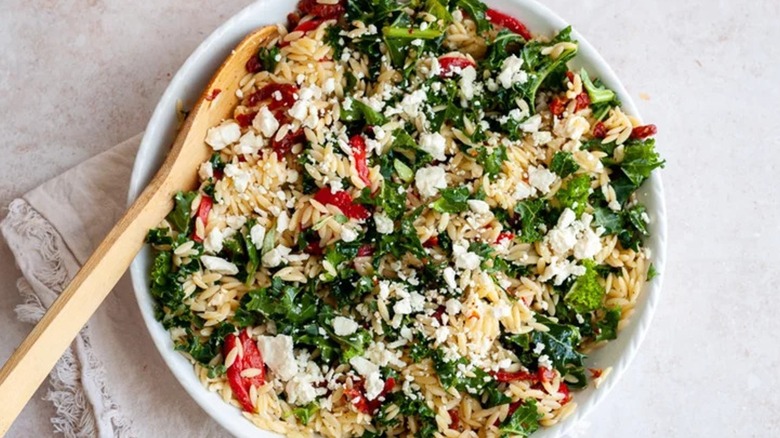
{"x": 203, "y": 214}
{"x": 251, "y": 358}
{"x": 449, "y": 64}
{"x": 343, "y": 201}
{"x": 282, "y": 147}
{"x": 308, "y": 25}
{"x": 253, "y": 65}
{"x": 245, "y": 120}
{"x": 365, "y": 250}
{"x": 504, "y": 235}
{"x": 327, "y": 12}
{"x": 506, "y": 376}
{"x": 600, "y": 131}
{"x": 213, "y": 95}
{"x": 358, "y": 145}
{"x": 645, "y": 131}
{"x": 583, "y": 101}
{"x": 357, "y": 396}
{"x": 281, "y": 95}
{"x": 430, "y": 243}
{"x": 544, "y": 374}
{"x": 511, "y": 23}
{"x": 564, "y": 389}
{"x": 454, "y": 419}
{"x": 557, "y": 106}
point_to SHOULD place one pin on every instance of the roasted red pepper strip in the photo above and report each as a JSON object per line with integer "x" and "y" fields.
{"x": 511, "y": 23}
{"x": 203, "y": 213}
{"x": 454, "y": 419}
{"x": 356, "y": 395}
{"x": 323, "y": 11}
{"x": 645, "y": 131}
{"x": 430, "y": 243}
{"x": 564, "y": 389}
{"x": 448, "y": 64}
{"x": 343, "y": 201}
{"x": 545, "y": 374}
{"x": 252, "y": 358}
{"x": 376, "y": 403}
{"x": 504, "y": 235}
{"x": 358, "y": 145}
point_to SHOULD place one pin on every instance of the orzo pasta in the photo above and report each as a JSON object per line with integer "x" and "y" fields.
{"x": 417, "y": 222}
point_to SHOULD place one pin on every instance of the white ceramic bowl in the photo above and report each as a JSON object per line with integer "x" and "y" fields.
{"x": 188, "y": 84}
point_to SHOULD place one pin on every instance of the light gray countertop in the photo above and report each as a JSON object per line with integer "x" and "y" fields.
{"x": 77, "y": 76}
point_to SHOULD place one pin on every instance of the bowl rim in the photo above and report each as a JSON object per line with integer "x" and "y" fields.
{"x": 157, "y": 138}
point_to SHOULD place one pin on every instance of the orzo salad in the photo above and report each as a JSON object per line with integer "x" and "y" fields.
{"x": 417, "y": 222}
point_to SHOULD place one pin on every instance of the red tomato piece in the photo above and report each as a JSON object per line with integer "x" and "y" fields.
{"x": 358, "y": 145}
{"x": 600, "y": 131}
{"x": 448, "y": 64}
{"x": 583, "y": 101}
{"x": 557, "y": 106}
{"x": 365, "y": 250}
{"x": 244, "y": 120}
{"x": 511, "y": 23}
{"x": 326, "y": 12}
{"x": 252, "y": 358}
{"x": 645, "y": 131}
{"x": 313, "y": 248}
{"x": 504, "y": 235}
{"x": 282, "y": 147}
{"x": 506, "y": 376}
{"x": 343, "y": 201}
{"x": 454, "y": 419}
{"x": 203, "y": 213}
{"x": 439, "y": 313}
{"x": 570, "y": 75}
{"x": 595, "y": 372}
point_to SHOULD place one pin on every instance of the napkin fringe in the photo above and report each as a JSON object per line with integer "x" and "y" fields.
{"x": 75, "y": 415}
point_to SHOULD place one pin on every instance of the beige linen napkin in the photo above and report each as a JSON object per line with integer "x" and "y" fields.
{"x": 111, "y": 382}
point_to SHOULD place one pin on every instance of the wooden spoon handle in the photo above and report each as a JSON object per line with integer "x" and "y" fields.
{"x": 37, "y": 355}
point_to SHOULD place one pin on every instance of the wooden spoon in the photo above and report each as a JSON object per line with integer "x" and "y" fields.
{"x": 37, "y": 355}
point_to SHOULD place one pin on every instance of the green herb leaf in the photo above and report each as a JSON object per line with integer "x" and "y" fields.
{"x": 586, "y": 292}
{"x": 491, "y": 159}
{"x": 607, "y": 327}
{"x": 304, "y": 413}
{"x": 523, "y": 422}
{"x": 453, "y": 200}
{"x": 563, "y": 164}
{"x": 531, "y": 215}
{"x": 574, "y": 194}
{"x": 179, "y": 217}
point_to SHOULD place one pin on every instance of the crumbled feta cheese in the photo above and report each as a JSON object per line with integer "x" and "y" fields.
{"x": 239, "y": 176}
{"x": 300, "y": 391}
{"x": 449, "y": 278}
{"x": 329, "y": 86}
{"x": 213, "y": 242}
{"x": 466, "y": 82}
{"x": 411, "y": 104}
{"x": 501, "y": 310}
{"x": 478, "y": 206}
{"x": 588, "y": 245}
{"x": 206, "y": 171}
{"x": 441, "y": 334}
{"x": 576, "y": 126}
{"x": 216, "y": 264}
{"x": 541, "y": 178}
{"x": 561, "y": 269}
{"x": 544, "y": 361}
{"x": 374, "y": 385}
{"x": 434, "y": 144}
{"x": 532, "y": 124}
{"x": 522, "y": 191}
{"x": 417, "y": 301}
{"x": 384, "y": 225}
{"x": 278, "y": 354}
{"x": 429, "y": 180}
{"x": 265, "y": 122}
{"x": 363, "y": 366}
{"x": 257, "y": 234}
{"x": 403, "y": 306}
{"x": 453, "y": 306}
{"x": 276, "y": 256}
{"x": 465, "y": 259}
{"x": 348, "y": 234}
{"x": 344, "y": 326}
{"x": 539, "y": 347}
{"x": 249, "y": 143}
{"x": 512, "y": 72}
{"x": 235, "y": 222}
{"x": 220, "y": 136}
